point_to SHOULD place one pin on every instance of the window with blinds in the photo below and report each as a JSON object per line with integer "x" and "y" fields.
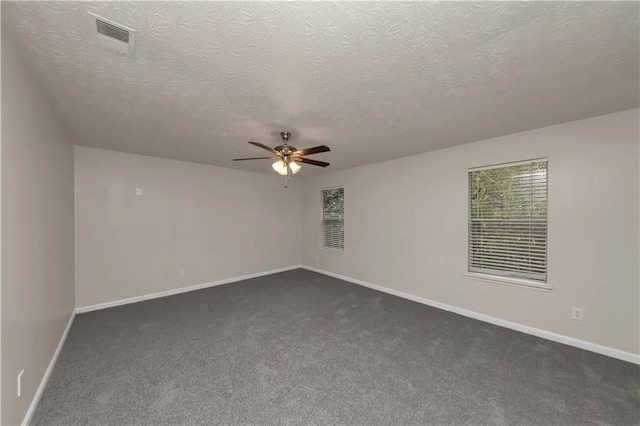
{"x": 333, "y": 219}
{"x": 508, "y": 220}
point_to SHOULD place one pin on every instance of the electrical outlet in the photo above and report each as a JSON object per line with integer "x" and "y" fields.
{"x": 577, "y": 314}
{"x": 182, "y": 272}
{"x": 20, "y": 383}
{"x": 138, "y": 191}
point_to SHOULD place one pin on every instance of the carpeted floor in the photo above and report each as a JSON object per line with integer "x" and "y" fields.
{"x": 299, "y": 347}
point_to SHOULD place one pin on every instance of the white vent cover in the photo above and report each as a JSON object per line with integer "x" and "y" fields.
{"x": 111, "y": 35}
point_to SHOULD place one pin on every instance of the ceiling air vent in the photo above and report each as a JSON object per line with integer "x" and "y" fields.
{"x": 111, "y": 35}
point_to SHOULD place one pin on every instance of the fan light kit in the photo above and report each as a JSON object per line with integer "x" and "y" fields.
{"x": 281, "y": 167}
{"x": 287, "y": 157}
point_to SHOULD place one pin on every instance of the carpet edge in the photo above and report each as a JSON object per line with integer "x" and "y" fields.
{"x": 45, "y": 378}
{"x": 141, "y": 298}
{"x": 548, "y": 335}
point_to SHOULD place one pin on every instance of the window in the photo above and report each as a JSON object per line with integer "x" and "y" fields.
{"x": 333, "y": 219}
{"x": 508, "y": 220}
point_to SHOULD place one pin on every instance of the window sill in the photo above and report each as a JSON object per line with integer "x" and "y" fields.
{"x": 332, "y": 250}
{"x": 515, "y": 282}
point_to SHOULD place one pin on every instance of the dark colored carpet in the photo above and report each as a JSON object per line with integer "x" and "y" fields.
{"x": 299, "y": 347}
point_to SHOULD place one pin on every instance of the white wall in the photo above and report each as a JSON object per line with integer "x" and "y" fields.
{"x": 406, "y": 228}
{"x": 37, "y": 233}
{"x": 214, "y": 223}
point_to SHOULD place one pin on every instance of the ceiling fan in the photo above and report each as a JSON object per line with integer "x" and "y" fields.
{"x": 289, "y": 156}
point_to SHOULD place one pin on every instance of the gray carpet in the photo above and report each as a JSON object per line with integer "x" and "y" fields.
{"x": 300, "y": 348}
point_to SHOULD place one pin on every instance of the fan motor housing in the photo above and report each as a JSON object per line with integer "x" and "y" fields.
{"x": 285, "y": 148}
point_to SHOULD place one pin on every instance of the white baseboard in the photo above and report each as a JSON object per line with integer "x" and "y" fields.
{"x": 47, "y": 373}
{"x": 582, "y": 344}
{"x": 171, "y": 292}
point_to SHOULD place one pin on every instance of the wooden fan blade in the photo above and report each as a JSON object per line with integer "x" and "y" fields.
{"x": 312, "y": 162}
{"x": 254, "y": 158}
{"x": 314, "y": 150}
{"x": 263, "y": 146}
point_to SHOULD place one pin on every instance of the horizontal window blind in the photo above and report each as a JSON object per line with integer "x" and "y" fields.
{"x": 333, "y": 218}
{"x": 508, "y": 220}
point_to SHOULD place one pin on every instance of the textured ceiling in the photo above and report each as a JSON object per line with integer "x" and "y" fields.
{"x": 372, "y": 80}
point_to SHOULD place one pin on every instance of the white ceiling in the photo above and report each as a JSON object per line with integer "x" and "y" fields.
{"x": 372, "y": 80}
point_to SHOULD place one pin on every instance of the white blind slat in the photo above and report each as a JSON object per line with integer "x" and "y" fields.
{"x": 508, "y": 220}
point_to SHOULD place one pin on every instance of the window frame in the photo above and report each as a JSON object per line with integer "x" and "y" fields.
{"x": 322, "y": 239}
{"x": 504, "y": 279}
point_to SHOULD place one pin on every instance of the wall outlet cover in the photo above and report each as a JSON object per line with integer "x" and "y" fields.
{"x": 577, "y": 314}
{"x": 19, "y": 390}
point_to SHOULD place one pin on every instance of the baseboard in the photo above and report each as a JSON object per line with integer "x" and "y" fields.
{"x": 582, "y": 344}
{"x": 47, "y": 373}
{"x": 172, "y": 292}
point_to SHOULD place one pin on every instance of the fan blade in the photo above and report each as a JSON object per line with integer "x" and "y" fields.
{"x": 254, "y": 158}
{"x": 314, "y": 150}
{"x": 263, "y": 146}
{"x": 313, "y": 162}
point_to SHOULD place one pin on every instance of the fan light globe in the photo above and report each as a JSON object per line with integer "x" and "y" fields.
{"x": 295, "y": 168}
{"x": 280, "y": 167}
